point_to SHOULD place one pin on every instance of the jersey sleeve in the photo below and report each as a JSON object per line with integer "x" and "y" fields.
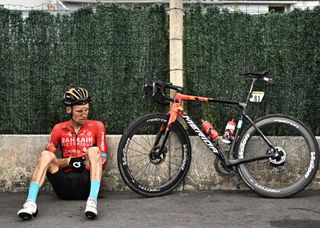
{"x": 101, "y": 138}
{"x": 54, "y": 140}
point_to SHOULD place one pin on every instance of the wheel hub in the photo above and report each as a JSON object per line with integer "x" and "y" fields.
{"x": 156, "y": 157}
{"x": 280, "y": 157}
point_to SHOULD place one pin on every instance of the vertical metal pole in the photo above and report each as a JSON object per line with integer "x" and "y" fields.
{"x": 176, "y": 42}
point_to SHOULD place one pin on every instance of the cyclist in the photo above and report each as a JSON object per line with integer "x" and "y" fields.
{"x": 83, "y": 146}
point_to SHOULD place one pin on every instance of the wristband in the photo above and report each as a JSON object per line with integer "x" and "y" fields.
{"x": 104, "y": 155}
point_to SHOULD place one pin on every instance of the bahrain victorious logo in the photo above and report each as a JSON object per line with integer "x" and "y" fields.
{"x": 87, "y": 141}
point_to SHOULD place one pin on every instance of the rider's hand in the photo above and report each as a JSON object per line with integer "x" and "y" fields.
{"x": 77, "y": 163}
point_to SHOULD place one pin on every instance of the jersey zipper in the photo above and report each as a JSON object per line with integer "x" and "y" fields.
{"x": 76, "y": 139}
{"x": 76, "y": 142}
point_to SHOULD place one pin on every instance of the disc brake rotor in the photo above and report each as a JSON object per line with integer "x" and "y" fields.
{"x": 157, "y": 160}
{"x": 280, "y": 159}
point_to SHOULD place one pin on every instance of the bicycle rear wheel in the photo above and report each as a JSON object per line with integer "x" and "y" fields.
{"x": 145, "y": 174}
{"x": 288, "y": 173}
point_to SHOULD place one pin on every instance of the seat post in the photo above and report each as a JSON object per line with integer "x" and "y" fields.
{"x": 251, "y": 89}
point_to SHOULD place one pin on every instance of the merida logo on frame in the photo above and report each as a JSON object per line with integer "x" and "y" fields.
{"x": 200, "y": 134}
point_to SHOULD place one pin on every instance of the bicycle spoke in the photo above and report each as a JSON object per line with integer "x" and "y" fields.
{"x": 144, "y": 168}
{"x": 147, "y": 141}
{"x": 174, "y": 142}
{"x": 151, "y": 141}
{"x": 139, "y": 155}
{"x": 155, "y": 174}
{"x": 297, "y": 149}
{"x": 172, "y": 163}
{"x": 138, "y": 151}
{"x": 139, "y": 144}
{"x": 147, "y": 176}
{"x": 139, "y": 161}
{"x": 163, "y": 171}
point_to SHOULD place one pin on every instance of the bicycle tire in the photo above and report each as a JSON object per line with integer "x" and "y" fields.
{"x": 291, "y": 172}
{"x": 144, "y": 175}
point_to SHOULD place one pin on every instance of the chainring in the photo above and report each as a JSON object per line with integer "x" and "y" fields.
{"x": 221, "y": 168}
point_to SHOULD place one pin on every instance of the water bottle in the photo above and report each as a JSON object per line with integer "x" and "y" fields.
{"x": 209, "y": 130}
{"x": 228, "y": 132}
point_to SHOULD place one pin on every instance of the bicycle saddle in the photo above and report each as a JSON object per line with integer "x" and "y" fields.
{"x": 255, "y": 74}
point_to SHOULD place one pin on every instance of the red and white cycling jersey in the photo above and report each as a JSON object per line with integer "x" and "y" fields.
{"x": 92, "y": 133}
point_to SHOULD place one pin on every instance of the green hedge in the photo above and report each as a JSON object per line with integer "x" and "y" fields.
{"x": 218, "y": 45}
{"x": 110, "y": 50}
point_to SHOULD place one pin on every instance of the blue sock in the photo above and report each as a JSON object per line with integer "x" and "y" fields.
{"x": 33, "y": 192}
{"x": 94, "y": 190}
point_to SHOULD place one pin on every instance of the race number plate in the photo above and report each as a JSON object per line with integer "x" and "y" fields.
{"x": 256, "y": 96}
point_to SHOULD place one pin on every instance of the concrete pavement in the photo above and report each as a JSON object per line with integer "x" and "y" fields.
{"x": 179, "y": 209}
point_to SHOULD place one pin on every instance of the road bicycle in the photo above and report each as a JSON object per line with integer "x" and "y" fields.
{"x": 276, "y": 156}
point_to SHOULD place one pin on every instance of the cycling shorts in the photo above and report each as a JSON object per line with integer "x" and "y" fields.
{"x": 72, "y": 185}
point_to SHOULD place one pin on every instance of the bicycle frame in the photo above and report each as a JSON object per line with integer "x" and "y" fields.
{"x": 176, "y": 110}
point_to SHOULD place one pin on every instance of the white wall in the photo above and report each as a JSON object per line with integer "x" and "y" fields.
{"x": 306, "y": 4}
{"x": 21, "y": 5}
{"x": 263, "y": 7}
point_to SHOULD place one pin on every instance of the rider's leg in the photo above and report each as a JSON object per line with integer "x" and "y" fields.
{"x": 47, "y": 161}
{"x": 95, "y": 162}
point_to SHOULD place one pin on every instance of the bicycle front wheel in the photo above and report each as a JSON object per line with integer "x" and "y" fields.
{"x": 295, "y": 166}
{"x": 148, "y": 175}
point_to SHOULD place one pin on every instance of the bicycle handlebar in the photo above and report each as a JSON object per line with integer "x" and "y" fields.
{"x": 158, "y": 87}
{"x": 165, "y": 85}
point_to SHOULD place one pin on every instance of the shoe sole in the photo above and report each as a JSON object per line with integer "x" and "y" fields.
{"x": 90, "y": 214}
{"x": 26, "y": 216}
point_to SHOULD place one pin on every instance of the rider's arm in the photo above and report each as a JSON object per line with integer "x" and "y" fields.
{"x": 101, "y": 139}
{"x": 64, "y": 162}
{"x": 54, "y": 139}
{"x": 53, "y": 146}
{"x": 102, "y": 142}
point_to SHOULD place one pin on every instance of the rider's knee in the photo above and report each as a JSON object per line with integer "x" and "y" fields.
{"x": 46, "y": 157}
{"x": 94, "y": 154}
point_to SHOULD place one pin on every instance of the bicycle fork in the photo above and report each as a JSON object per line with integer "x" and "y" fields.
{"x": 161, "y": 138}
